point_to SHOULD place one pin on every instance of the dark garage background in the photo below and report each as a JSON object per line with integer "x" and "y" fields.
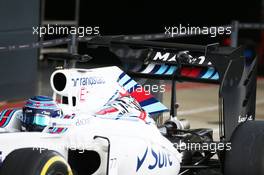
{"x": 18, "y": 70}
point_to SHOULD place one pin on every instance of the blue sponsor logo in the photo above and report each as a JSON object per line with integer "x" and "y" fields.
{"x": 159, "y": 159}
{"x": 87, "y": 81}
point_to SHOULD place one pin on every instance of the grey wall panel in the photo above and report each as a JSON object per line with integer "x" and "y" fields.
{"x": 18, "y": 69}
{"x": 17, "y": 14}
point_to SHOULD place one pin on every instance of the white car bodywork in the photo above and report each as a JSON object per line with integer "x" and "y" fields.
{"x": 127, "y": 146}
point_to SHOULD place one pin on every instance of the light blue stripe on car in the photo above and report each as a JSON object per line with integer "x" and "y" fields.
{"x": 171, "y": 70}
{"x": 64, "y": 130}
{"x": 127, "y": 82}
{"x": 9, "y": 118}
{"x": 162, "y": 69}
{"x": 124, "y": 80}
{"x": 148, "y": 69}
{"x": 209, "y": 73}
{"x": 216, "y": 76}
{"x": 130, "y": 85}
{"x": 54, "y": 130}
{"x": 155, "y": 107}
{"x": 2, "y": 114}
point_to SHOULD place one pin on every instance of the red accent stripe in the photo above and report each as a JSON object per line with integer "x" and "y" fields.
{"x": 67, "y": 116}
{"x": 59, "y": 130}
{"x": 185, "y": 71}
{"x": 5, "y": 116}
{"x": 3, "y": 121}
{"x": 143, "y": 115}
{"x": 190, "y": 72}
{"x": 8, "y": 112}
{"x": 195, "y": 73}
{"x": 124, "y": 94}
{"x": 108, "y": 110}
{"x": 140, "y": 95}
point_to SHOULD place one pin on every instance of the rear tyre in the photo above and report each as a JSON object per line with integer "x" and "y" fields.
{"x": 247, "y": 154}
{"x": 26, "y": 161}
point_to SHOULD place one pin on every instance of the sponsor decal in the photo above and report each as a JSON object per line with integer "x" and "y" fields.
{"x": 87, "y": 81}
{"x": 60, "y": 128}
{"x": 81, "y": 122}
{"x": 242, "y": 119}
{"x": 83, "y": 93}
{"x": 113, "y": 163}
{"x": 45, "y": 112}
{"x": 184, "y": 56}
{"x": 28, "y": 111}
{"x": 159, "y": 159}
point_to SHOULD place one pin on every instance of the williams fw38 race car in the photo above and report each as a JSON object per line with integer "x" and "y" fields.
{"x": 100, "y": 121}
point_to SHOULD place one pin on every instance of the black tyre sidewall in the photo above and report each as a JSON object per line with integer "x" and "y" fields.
{"x": 247, "y": 154}
{"x": 27, "y": 161}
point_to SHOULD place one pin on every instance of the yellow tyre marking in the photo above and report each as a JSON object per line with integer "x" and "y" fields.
{"x": 53, "y": 160}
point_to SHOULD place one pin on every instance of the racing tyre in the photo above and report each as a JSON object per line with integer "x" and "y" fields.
{"x": 247, "y": 154}
{"x": 33, "y": 162}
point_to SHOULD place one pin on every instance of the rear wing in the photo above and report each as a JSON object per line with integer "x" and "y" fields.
{"x": 212, "y": 63}
{"x": 161, "y": 60}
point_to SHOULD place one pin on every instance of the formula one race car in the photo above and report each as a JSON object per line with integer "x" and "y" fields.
{"x": 102, "y": 120}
